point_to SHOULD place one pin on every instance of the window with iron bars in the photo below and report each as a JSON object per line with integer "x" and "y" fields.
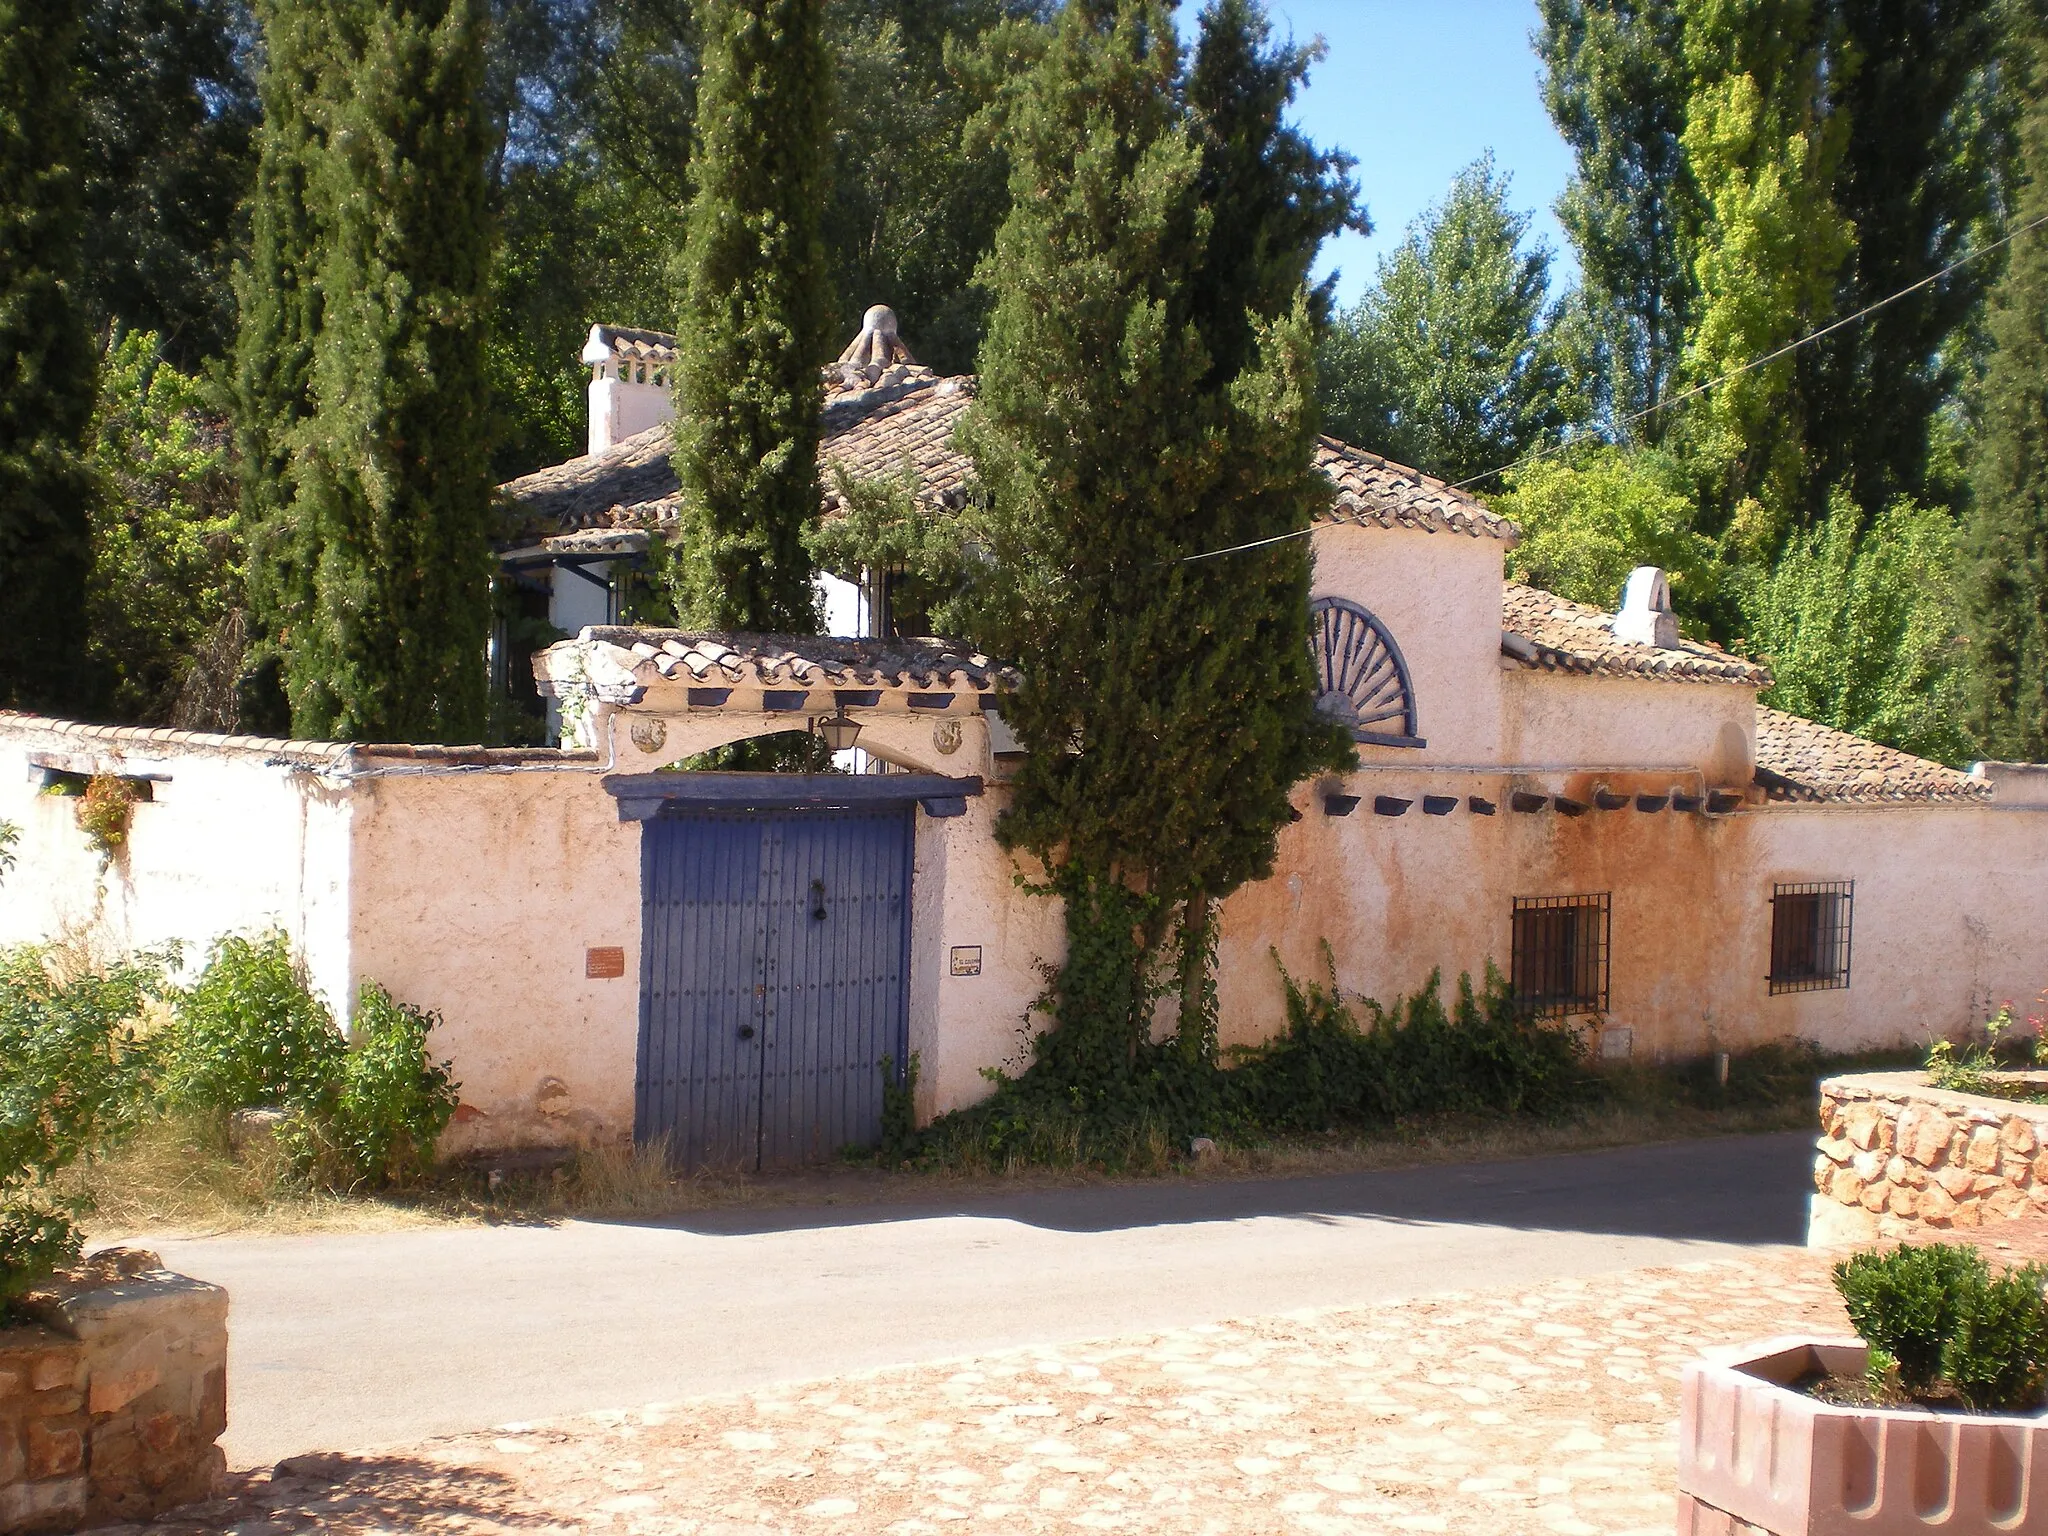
{"x": 1560, "y": 951}
{"x": 1810, "y": 925}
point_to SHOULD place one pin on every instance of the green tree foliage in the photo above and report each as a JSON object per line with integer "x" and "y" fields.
{"x": 390, "y": 471}
{"x": 1921, "y": 83}
{"x": 595, "y": 109}
{"x": 75, "y": 1075}
{"x": 911, "y": 210}
{"x": 278, "y": 322}
{"x": 165, "y": 598}
{"x": 753, "y": 329}
{"x": 1762, "y": 153}
{"x": 170, "y": 115}
{"x": 46, "y": 360}
{"x": 1858, "y": 621}
{"x": 2005, "y": 534}
{"x": 1614, "y": 82}
{"x": 1168, "y": 706}
{"x": 1456, "y": 362}
{"x": 1588, "y": 521}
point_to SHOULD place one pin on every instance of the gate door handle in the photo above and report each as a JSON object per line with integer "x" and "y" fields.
{"x": 746, "y": 1031}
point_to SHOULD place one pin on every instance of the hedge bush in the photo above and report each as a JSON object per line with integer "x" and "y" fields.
{"x": 1941, "y": 1326}
{"x": 77, "y": 1071}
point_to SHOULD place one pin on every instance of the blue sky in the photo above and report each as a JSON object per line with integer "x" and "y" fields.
{"x": 1417, "y": 90}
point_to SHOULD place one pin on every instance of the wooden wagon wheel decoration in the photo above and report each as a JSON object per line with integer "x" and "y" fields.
{"x": 1362, "y": 677}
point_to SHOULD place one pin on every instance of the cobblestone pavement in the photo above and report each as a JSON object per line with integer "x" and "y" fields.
{"x": 1549, "y": 1410}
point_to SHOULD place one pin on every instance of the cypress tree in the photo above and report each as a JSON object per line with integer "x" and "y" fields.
{"x": 47, "y": 361}
{"x": 278, "y": 300}
{"x": 391, "y": 473}
{"x": 753, "y": 329}
{"x": 1167, "y": 704}
{"x": 2005, "y": 535}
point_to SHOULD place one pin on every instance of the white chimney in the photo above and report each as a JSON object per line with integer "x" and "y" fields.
{"x": 1646, "y": 617}
{"x": 629, "y": 382}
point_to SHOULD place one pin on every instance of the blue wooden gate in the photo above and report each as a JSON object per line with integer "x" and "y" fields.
{"x": 774, "y": 979}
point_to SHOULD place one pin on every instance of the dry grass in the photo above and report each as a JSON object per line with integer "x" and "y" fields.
{"x": 175, "y": 1178}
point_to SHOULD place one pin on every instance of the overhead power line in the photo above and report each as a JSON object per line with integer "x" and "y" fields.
{"x": 1679, "y": 399}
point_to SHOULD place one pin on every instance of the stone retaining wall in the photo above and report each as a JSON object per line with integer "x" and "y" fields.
{"x": 1899, "y": 1157}
{"x": 112, "y": 1398}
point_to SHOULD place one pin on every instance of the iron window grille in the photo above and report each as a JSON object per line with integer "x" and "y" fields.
{"x": 1810, "y": 926}
{"x": 1560, "y": 953}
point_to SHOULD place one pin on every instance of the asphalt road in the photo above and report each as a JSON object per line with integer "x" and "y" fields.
{"x": 345, "y": 1341}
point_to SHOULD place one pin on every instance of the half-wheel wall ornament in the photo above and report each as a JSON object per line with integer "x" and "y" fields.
{"x": 1363, "y": 679}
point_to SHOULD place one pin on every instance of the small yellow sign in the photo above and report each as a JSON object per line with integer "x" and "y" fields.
{"x": 966, "y": 959}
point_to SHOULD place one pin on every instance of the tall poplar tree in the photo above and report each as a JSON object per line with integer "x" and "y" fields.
{"x": 1922, "y": 168}
{"x": 2005, "y": 536}
{"x": 1614, "y": 81}
{"x": 753, "y": 329}
{"x": 390, "y": 472}
{"x": 47, "y": 361}
{"x": 1147, "y": 396}
{"x": 1762, "y": 152}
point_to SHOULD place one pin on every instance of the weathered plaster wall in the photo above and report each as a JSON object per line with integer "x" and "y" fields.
{"x": 1439, "y": 595}
{"x": 477, "y": 895}
{"x": 232, "y": 843}
{"x": 965, "y": 894}
{"x": 1556, "y": 719}
{"x": 1947, "y": 918}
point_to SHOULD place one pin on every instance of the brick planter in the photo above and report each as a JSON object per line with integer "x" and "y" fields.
{"x": 112, "y": 1398}
{"x": 1754, "y": 1455}
{"x": 1899, "y": 1157}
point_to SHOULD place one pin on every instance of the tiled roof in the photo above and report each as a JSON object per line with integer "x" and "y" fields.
{"x": 811, "y": 661}
{"x": 1379, "y": 493}
{"x": 143, "y": 740}
{"x": 878, "y": 421}
{"x": 657, "y": 348}
{"x": 1799, "y": 760}
{"x": 1554, "y": 634}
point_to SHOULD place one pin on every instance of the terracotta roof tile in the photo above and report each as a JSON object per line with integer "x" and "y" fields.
{"x": 1799, "y": 760}
{"x": 880, "y": 421}
{"x": 782, "y": 661}
{"x": 1555, "y": 634}
{"x": 117, "y": 739}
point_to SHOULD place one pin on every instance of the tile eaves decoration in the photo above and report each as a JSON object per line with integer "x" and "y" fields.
{"x": 779, "y": 661}
{"x": 1800, "y": 761}
{"x": 1548, "y": 633}
{"x": 1378, "y": 493}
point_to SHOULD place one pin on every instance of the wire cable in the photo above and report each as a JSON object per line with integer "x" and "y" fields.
{"x": 1676, "y": 400}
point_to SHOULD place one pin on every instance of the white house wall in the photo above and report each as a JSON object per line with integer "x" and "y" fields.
{"x": 233, "y": 842}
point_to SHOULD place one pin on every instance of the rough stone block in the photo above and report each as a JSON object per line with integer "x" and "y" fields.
{"x": 1924, "y": 1134}
{"x": 1936, "y": 1203}
{"x": 1956, "y": 1179}
{"x": 1904, "y": 1201}
{"x": 42, "y": 1506}
{"x": 54, "y": 1368}
{"x": 1969, "y": 1215}
{"x": 1982, "y": 1153}
{"x": 1861, "y": 1122}
{"x": 1888, "y": 1134}
{"x": 1897, "y": 1170}
{"x": 1874, "y": 1196}
{"x": 122, "y": 1373}
{"x": 1847, "y": 1188}
{"x": 1870, "y": 1165}
{"x": 2019, "y": 1135}
{"x": 1823, "y": 1175}
{"x": 2006, "y": 1203}
{"x": 54, "y": 1450}
{"x": 11, "y": 1459}
{"x": 1838, "y": 1149}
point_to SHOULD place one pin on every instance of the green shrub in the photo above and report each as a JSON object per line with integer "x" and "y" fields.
{"x": 76, "y": 1072}
{"x": 391, "y": 1101}
{"x": 1938, "y": 1319}
{"x": 252, "y": 1033}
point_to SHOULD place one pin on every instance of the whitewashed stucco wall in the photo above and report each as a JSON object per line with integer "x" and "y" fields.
{"x": 233, "y": 842}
